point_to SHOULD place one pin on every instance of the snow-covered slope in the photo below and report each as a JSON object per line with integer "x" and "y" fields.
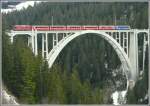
{"x": 20, "y": 6}
{"x": 119, "y": 97}
{"x": 7, "y": 98}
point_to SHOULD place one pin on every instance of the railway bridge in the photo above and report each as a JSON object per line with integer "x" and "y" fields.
{"x": 123, "y": 39}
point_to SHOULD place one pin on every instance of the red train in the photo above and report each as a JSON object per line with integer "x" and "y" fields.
{"x": 59, "y": 28}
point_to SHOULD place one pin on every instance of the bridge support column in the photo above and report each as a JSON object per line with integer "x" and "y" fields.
{"x": 36, "y": 45}
{"x": 29, "y": 41}
{"x": 11, "y": 39}
{"x": 125, "y": 42}
{"x": 144, "y": 50}
{"x": 55, "y": 39}
{"x": 32, "y": 42}
{"x": 133, "y": 54}
{"x": 119, "y": 37}
{"x": 145, "y": 44}
{"x": 45, "y": 45}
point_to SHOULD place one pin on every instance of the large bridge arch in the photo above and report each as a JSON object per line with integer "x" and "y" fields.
{"x": 119, "y": 50}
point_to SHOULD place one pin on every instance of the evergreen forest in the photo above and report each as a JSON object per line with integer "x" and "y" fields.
{"x": 87, "y": 71}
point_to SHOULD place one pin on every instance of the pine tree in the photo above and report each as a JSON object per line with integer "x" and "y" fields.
{"x": 56, "y": 93}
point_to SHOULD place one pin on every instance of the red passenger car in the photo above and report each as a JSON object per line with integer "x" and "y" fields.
{"x": 41, "y": 28}
{"x": 57, "y": 28}
{"x": 22, "y": 28}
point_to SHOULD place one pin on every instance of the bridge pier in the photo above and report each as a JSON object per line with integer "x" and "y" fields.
{"x": 11, "y": 39}
{"x": 55, "y": 39}
{"x": 36, "y": 44}
{"x": 45, "y": 45}
{"x": 133, "y": 54}
{"x": 32, "y": 40}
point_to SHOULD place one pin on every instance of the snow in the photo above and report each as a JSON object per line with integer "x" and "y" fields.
{"x": 8, "y": 99}
{"x": 146, "y": 97}
{"x": 20, "y": 6}
{"x": 124, "y": 93}
{"x": 115, "y": 96}
{"x": 25, "y": 4}
{"x": 6, "y": 10}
